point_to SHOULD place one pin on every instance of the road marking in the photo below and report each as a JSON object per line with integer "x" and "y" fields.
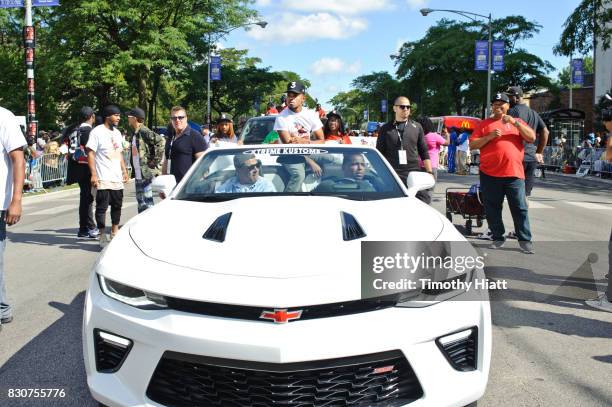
{"x": 55, "y": 210}
{"x": 65, "y": 208}
{"x": 591, "y": 205}
{"x": 538, "y": 205}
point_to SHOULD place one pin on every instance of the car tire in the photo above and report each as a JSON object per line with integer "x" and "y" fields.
{"x": 474, "y": 404}
{"x": 449, "y": 216}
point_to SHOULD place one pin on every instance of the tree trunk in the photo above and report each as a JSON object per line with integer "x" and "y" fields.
{"x": 157, "y": 73}
{"x": 142, "y": 91}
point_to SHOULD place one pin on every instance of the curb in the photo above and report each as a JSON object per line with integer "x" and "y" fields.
{"x": 31, "y": 198}
{"x": 574, "y": 177}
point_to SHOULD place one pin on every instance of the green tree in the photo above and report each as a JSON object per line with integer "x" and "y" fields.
{"x": 438, "y": 70}
{"x": 591, "y": 19}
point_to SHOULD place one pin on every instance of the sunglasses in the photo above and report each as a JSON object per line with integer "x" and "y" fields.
{"x": 177, "y": 117}
{"x": 404, "y": 107}
{"x": 251, "y": 167}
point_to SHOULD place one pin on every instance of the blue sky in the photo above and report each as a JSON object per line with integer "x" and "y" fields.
{"x": 330, "y": 42}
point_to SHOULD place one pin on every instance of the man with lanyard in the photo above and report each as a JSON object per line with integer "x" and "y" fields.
{"x": 185, "y": 146}
{"x": 533, "y": 154}
{"x": 295, "y": 125}
{"x": 402, "y": 142}
{"x": 500, "y": 141}
{"x": 147, "y": 156}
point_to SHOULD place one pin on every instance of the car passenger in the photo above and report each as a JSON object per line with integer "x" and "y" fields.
{"x": 247, "y": 178}
{"x": 354, "y": 168}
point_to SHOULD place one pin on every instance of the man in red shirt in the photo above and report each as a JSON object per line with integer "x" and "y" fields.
{"x": 500, "y": 141}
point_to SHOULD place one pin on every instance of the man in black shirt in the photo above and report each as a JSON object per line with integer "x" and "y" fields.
{"x": 402, "y": 143}
{"x": 183, "y": 146}
{"x": 533, "y": 154}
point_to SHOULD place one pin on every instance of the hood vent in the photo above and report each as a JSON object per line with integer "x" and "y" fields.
{"x": 351, "y": 229}
{"x": 216, "y": 232}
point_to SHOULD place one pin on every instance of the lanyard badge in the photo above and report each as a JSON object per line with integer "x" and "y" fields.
{"x": 401, "y": 153}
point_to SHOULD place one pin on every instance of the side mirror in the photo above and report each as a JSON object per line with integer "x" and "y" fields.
{"x": 163, "y": 184}
{"x": 418, "y": 181}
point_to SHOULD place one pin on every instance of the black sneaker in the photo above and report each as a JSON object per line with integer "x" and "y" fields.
{"x": 83, "y": 233}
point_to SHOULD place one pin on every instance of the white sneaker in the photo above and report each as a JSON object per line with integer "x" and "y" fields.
{"x": 600, "y": 303}
{"x": 103, "y": 240}
{"x": 487, "y": 235}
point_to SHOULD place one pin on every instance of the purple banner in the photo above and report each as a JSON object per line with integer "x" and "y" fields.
{"x": 481, "y": 56}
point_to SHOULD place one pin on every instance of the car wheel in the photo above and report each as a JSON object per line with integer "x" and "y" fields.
{"x": 474, "y": 404}
{"x": 449, "y": 216}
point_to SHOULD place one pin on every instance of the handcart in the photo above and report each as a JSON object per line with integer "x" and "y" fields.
{"x": 466, "y": 202}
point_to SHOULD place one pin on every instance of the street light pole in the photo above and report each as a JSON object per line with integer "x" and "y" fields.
{"x": 469, "y": 14}
{"x": 262, "y": 24}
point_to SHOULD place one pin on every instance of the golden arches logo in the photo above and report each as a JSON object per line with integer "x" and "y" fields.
{"x": 465, "y": 124}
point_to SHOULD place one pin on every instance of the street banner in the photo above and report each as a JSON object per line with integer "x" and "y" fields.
{"x": 578, "y": 72}
{"x": 497, "y": 52}
{"x": 215, "y": 68}
{"x": 35, "y": 3}
{"x": 482, "y": 56}
{"x": 383, "y": 106}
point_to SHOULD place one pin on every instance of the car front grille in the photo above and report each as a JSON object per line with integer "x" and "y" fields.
{"x": 308, "y": 311}
{"x": 382, "y": 380}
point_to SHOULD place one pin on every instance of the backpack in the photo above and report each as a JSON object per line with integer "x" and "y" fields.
{"x": 78, "y": 151}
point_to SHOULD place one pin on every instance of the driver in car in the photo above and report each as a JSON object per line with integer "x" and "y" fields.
{"x": 247, "y": 178}
{"x": 354, "y": 168}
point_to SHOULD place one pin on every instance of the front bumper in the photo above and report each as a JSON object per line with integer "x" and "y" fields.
{"x": 411, "y": 331}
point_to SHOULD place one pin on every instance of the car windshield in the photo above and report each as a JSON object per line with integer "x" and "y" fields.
{"x": 345, "y": 172}
{"x": 256, "y": 130}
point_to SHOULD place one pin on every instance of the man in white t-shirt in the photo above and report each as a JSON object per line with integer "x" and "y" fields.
{"x": 295, "y": 125}
{"x": 463, "y": 152}
{"x": 108, "y": 171}
{"x": 12, "y": 177}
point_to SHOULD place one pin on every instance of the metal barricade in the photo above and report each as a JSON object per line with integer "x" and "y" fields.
{"x": 53, "y": 169}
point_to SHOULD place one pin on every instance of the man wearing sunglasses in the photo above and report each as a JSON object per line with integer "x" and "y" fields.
{"x": 402, "y": 142}
{"x": 247, "y": 178}
{"x": 183, "y": 147}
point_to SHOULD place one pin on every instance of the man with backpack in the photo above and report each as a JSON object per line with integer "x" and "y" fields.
{"x": 78, "y": 172}
{"x": 147, "y": 156}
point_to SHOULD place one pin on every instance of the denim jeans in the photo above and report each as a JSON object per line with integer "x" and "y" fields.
{"x": 493, "y": 191}
{"x": 5, "y": 309}
{"x": 144, "y": 194}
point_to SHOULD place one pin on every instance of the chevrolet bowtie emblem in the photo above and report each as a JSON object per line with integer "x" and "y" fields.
{"x": 281, "y": 316}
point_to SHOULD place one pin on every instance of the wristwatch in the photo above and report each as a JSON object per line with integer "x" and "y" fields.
{"x": 517, "y": 123}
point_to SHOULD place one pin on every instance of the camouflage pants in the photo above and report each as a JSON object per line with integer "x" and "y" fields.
{"x": 144, "y": 194}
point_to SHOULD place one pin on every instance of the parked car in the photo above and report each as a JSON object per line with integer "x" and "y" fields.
{"x": 223, "y": 296}
{"x": 256, "y": 129}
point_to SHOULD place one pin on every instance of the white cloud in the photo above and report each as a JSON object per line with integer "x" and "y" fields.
{"x": 263, "y": 3}
{"x": 343, "y": 7}
{"x": 417, "y": 4}
{"x": 292, "y": 28}
{"x": 330, "y": 66}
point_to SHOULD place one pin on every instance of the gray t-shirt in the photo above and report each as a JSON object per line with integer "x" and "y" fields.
{"x": 533, "y": 119}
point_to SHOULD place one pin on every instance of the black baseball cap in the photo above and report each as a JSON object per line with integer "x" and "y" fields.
{"x": 500, "y": 96}
{"x": 296, "y": 87}
{"x": 136, "y": 112}
{"x": 515, "y": 91}
{"x": 109, "y": 111}
{"x": 224, "y": 118}
{"x": 334, "y": 113}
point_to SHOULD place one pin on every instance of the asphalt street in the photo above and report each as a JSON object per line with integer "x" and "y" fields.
{"x": 548, "y": 348}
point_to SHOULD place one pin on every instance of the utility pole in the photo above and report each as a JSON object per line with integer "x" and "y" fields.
{"x": 29, "y": 44}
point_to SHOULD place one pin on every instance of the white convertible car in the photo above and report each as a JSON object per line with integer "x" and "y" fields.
{"x": 234, "y": 291}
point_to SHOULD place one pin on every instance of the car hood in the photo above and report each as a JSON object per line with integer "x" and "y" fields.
{"x": 277, "y": 237}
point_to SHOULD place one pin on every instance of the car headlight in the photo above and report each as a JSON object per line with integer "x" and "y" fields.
{"x": 132, "y": 296}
